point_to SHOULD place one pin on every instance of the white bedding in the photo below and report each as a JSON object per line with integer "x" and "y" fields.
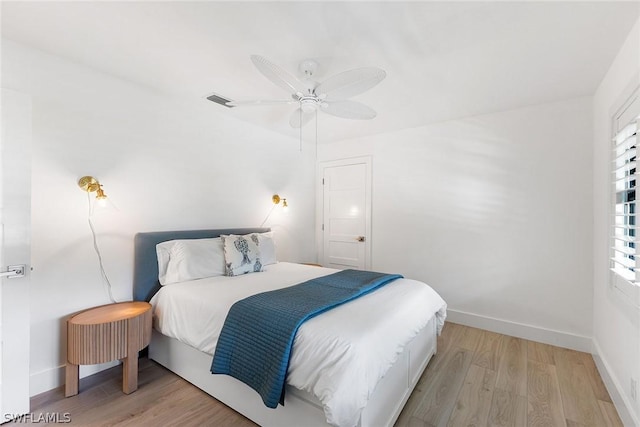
{"x": 338, "y": 356}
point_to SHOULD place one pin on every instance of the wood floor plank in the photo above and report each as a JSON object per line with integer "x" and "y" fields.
{"x": 512, "y": 372}
{"x": 540, "y": 352}
{"x": 487, "y": 354}
{"x": 597, "y": 385}
{"x": 446, "y": 342}
{"x": 545, "y": 404}
{"x": 417, "y": 422}
{"x": 507, "y": 410}
{"x": 162, "y": 399}
{"x": 578, "y": 399}
{"x": 467, "y": 337}
{"x": 442, "y": 391}
{"x": 609, "y": 414}
{"x": 119, "y": 409}
{"x": 474, "y": 400}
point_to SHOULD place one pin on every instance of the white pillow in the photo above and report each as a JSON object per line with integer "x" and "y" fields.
{"x": 267, "y": 247}
{"x": 241, "y": 254}
{"x": 190, "y": 259}
{"x": 162, "y": 251}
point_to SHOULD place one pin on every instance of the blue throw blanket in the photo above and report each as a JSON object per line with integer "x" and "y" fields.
{"x": 257, "y": 336}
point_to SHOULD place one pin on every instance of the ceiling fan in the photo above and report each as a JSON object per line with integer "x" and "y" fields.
{"x": 330, "y": 96}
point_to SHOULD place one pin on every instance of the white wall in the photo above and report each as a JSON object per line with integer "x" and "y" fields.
{"x": 166, "y": 164}
{"x": 616, "y": 322}
{"x": 494, "y": 212}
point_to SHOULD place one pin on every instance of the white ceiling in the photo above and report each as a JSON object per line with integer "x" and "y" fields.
{"x": 443, "y": 60}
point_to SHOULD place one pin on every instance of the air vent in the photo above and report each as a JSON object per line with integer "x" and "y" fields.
{"x": 219, "y": 100}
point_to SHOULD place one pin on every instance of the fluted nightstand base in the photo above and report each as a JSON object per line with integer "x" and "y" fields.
{"x": 102, "y": 334}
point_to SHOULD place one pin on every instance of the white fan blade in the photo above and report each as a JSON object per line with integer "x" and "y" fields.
{"x": 294, "y": 120}
{"x": 260, "y": 102}
{"x": 279, "y": 76}
{"x": 349, "y": 110}
{"x": 350, "y": 83}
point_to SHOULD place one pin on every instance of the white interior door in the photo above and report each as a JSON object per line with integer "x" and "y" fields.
{"x": 346, "y": 213}
{"x": 15, "y": 250}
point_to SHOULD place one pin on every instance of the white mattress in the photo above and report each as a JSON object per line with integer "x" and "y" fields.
{"x": 338, "y": 356}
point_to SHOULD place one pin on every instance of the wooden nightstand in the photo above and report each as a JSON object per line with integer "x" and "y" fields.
{"x": 106, "y": 333}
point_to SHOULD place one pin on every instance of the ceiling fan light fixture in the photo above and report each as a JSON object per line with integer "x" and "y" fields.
{"x": 331, "y": 96}
{"x": 308, "y": 105}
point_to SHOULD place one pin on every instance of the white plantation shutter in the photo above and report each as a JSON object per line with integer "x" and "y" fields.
{"x": 625, "y": 230}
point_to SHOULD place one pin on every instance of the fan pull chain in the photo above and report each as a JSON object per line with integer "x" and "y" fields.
{"x": 300, "y": 109}
{"x": 316, "y": 133}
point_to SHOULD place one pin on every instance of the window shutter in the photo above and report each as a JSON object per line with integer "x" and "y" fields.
{"x": 625, "y": 230}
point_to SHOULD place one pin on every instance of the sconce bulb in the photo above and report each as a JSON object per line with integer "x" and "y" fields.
{"x": 101, "y": 197}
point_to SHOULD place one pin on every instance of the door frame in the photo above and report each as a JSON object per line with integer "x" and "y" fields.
{"x": 366, "y": 160}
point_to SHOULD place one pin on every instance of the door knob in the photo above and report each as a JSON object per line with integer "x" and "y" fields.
{"x": 361, "y": 238}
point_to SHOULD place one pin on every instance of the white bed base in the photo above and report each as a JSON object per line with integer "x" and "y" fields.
{"x": 300, "y": 408}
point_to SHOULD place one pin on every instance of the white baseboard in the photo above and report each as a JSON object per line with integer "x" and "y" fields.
{"x": 616, "y": 391}
{"x": 521, "y": 330}
{"x": 49, "y": 379}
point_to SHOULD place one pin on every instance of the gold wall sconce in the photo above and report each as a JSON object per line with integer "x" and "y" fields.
{"x": 90, "y": 185}
{"x": 276, "y": 200}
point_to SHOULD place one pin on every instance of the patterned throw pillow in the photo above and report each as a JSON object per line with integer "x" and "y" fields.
{"x": 241, "y": 255}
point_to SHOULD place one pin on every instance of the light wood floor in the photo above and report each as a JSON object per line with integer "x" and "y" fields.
{"x": 478, "y": 378}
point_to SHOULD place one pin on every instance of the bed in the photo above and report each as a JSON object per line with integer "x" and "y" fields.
{"x": 187, "y": 350}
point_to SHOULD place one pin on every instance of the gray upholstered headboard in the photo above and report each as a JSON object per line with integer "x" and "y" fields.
{"x": 145, "y": 260}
